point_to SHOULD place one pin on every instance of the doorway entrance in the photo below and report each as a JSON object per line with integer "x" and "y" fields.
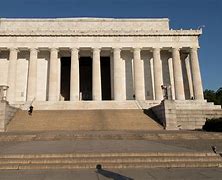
{"x": 85, "y": 69}
{"x": 65, "y": 78}
{"x": 85, "y": 74}
{"x": 105, "y": 78}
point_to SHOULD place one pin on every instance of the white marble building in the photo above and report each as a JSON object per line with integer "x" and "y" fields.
{"x": 103, "y": 63}
{"x": 77, "y": 59}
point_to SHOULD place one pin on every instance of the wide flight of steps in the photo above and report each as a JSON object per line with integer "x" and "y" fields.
{"x": 83, "y": 150}
{"x": 53, "y": 120}
{"x": 109, "y": 160}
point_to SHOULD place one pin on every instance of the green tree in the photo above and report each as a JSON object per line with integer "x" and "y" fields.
{"x": 210, "y": 95}
{"x": 219, "y": 96}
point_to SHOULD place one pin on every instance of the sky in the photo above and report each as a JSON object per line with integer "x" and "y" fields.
{"x": 185, "y": 14}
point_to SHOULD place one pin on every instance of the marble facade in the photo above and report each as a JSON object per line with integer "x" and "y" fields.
{"x": 144, "y": 55}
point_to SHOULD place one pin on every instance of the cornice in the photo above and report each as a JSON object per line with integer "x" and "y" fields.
{"x": 103, "y": 33}
{"x": 84, "y": 19}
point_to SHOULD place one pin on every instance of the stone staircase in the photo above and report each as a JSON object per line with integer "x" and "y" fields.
{"x": 158, "y": 135}
{"x": 188, "y": 119}
{"x": 54, "y": 120}
{"x": 190, "y": 116}
{"x": 109, "y": 160}
{"x": 111, "y": 149}
{"x": 186, "y": 115}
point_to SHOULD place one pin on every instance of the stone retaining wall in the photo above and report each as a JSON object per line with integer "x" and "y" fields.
{"x": 6, "y": 114}
{"x": 186, "y": 115}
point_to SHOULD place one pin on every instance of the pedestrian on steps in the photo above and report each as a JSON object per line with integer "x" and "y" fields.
{"x": 30, "y": 110}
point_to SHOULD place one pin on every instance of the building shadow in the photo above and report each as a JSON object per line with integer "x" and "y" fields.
{"x": 112, "y": 175}
{"x": 152, "y": 116}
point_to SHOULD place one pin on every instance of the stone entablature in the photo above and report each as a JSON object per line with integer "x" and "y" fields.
{"x": 90, "y": 27}
{"x": 25, "y": 43}
{"x": 94, "y": 32}
{"x": 91, "y": 24}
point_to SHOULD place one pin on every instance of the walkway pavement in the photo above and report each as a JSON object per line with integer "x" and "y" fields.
{"x": 65, "y": 142}
{"x": 116, "y": 174}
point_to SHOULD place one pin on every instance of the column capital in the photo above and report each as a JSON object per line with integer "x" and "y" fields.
{"x": 156, "y": 49}
{"x": 74, "y": 48}
{"x": 96, "y": 49}
{"x": 54, "y": 49}
{"x": 193, "y": 48}
{"x": 116, "y": 49}
{"x": 175, "y": 48}
{"x": 14, "y": 49}
{"x": 34, "y": 49}
{"x": 137, "y": 49}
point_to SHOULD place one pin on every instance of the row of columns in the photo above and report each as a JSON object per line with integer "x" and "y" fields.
{"x": 118, "y": 75}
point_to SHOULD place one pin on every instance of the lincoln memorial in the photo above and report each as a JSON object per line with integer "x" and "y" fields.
{"x": 107, "y": 63}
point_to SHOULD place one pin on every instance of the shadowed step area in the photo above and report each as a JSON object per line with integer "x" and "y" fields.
{"x": 51, "y": 120}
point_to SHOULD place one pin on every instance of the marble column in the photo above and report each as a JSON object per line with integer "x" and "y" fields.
{"x": 118, "y": 75}
{"x": 157, "y": 72}
{"x": 53, "y": 75}
{"x": 195, "y": 68}
{"x": 74, "y": 79}
{"x": 96, "y": 84}
{"x": 178, "y": 76}
{"x": 189, "y": 75}
{"x": 32, "y": 75}
{"x": 139, "y": 83}
{"x": 12, "y": 74}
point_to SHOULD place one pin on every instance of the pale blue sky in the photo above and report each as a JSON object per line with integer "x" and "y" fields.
{"x": 184, "y": 14}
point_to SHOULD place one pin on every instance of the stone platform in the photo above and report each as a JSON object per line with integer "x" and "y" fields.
{"x": 86, "y": 105}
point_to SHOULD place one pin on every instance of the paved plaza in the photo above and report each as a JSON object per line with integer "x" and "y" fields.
{"x": 115, "y": 174}
{"x": 77, "y": 142}
{"x": 109, "y": 141}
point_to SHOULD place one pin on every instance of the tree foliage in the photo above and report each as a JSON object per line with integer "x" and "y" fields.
{"x": 214, "y": 125}
{"x": 213, "y": 96}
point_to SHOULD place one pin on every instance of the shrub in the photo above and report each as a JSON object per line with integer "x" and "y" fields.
{"x": 214, "y": 125}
